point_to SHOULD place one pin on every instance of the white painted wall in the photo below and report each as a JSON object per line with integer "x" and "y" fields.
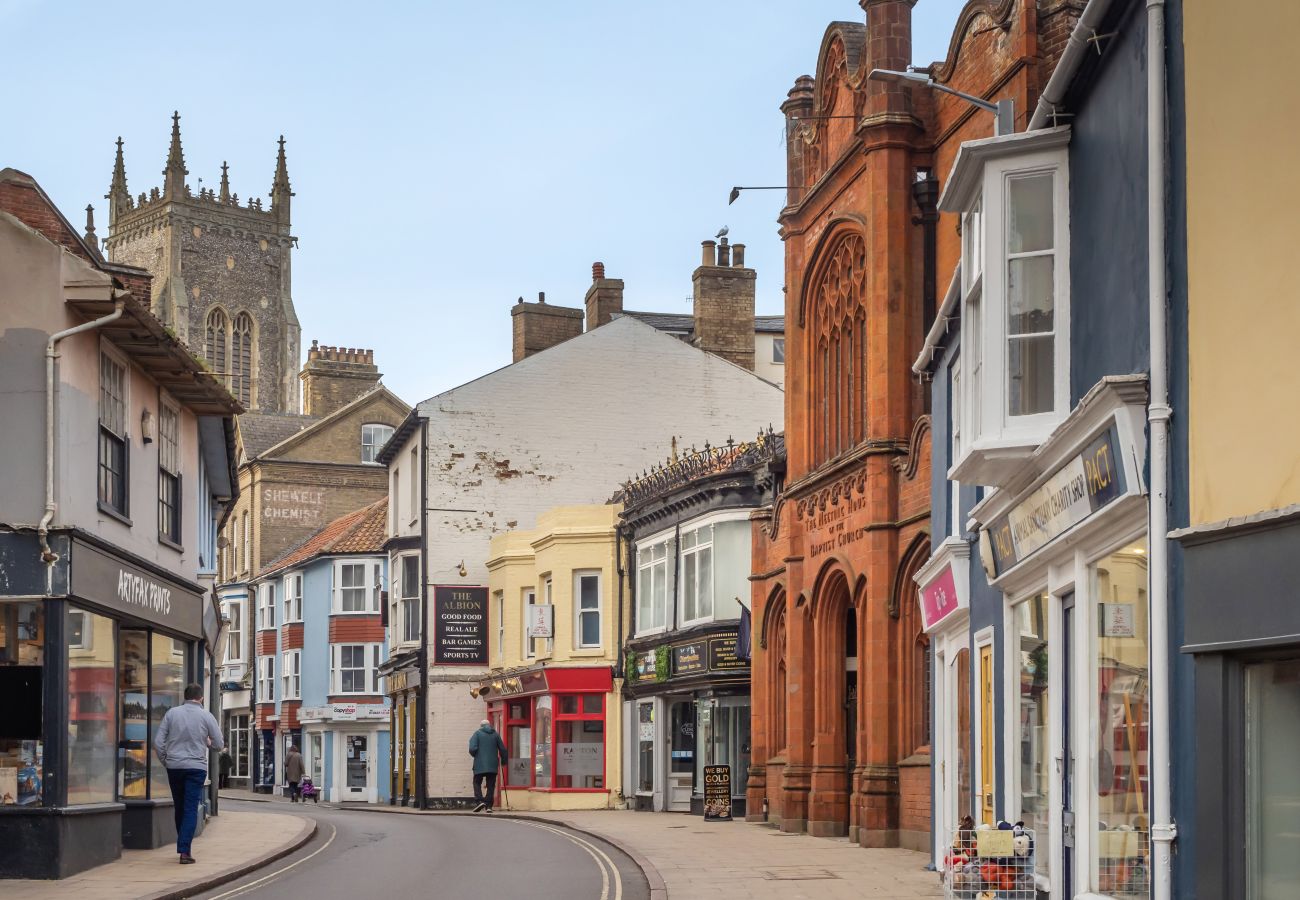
{"x": 763, "y": 365}
{"x": 563, "y": 427}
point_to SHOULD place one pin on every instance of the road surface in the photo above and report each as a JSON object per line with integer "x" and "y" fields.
{"x": 367, "y": 855}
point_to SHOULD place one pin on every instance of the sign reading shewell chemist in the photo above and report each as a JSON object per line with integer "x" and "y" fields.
{"x": 460, "y": 626}
{"x": 1074, "y": 492}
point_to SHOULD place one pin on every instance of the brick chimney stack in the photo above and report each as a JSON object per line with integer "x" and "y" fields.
{"x": 724, "y": 303}
{"x": 540, "y": 326}
{"x": 335, "y": 376}
{"x": 604, "y": 297}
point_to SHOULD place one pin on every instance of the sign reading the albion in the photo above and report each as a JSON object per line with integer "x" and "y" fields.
{"x": 460, "y": 617}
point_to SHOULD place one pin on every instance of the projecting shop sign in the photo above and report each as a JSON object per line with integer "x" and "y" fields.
{"x": 460, "y": 616}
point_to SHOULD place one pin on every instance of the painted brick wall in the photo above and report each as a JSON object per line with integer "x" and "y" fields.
{"x": 266, "y": 644}
{"x": 290, "y": 635}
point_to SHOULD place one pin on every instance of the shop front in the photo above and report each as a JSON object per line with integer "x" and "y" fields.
{"x": 87, "y": 676}
{"x": 687, "y": 706}
{"x": 1068, "y": 698}
{"x": 345, "y": 749}
{"x": 560, "y": 728}
{"x": 402, "y": 680}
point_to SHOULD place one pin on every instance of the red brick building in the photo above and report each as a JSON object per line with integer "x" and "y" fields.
{"x": 841, "y": 719}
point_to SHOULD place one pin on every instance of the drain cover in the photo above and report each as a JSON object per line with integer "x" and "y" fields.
{"x": 798, "y": 873}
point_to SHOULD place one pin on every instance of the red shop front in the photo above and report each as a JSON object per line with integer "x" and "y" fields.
{"x": 561, "y": 742}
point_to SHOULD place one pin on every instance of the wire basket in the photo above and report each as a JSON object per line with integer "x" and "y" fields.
{"x": 1124, "y": 862}
{"x": 990, "y": 864}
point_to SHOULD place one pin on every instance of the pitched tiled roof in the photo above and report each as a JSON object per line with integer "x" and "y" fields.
{"x": 262, "y": 431}
{"x": 362, "y": 531}
{"x": 684, "y": 323}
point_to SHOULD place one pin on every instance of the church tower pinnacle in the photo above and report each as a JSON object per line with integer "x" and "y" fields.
{"x": 174, "y": 174}
{"x": 118, "y": 197}
{"x": 280, "y": 192}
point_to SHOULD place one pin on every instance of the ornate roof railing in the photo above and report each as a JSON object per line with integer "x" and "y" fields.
{"x": 680, "y": 470}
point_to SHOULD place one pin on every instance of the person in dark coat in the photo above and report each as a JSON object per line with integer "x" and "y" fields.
{"x": 489, "y": 756}
{"x": 293, "y": 769}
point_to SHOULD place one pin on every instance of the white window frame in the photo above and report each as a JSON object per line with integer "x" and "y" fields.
{"x": 646, "y": 561}
{"x": 778, "y": 342}
{"x": 266, "y": 679}
{"x": 266, "y": 605}
{"x": 682, "y": 553}
{"x": 548, "y": 593}
{"x": 371, "y": 653}
{"x": 291, "y": 675}
{"x": 993, "y": 441}
{"x": 955, "y": 528}
{"x": 499, "y": 605}
{"x": 579, "y": 612}
{"x": 292, "y": 597}
{"x": 527, "y": 598}
{"x": 233, "y": 609}
{"x": 371, "y": 586}
{"x": 370, "y": 446}
{"x": 408, "y": 603}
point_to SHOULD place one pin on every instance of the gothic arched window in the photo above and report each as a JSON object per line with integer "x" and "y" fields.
{"x": 241, "y": 359}
{"x": 215, "y": 347}
{"x": 838, "y": 323}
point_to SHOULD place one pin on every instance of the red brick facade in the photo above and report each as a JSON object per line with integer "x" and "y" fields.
{"x": 291, "y": 636}
{"x": 356, "y": 630}
{"x": 833, "y": 598}
{"x": 266, "y": 643}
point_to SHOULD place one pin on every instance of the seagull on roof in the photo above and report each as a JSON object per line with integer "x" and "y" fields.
{"x": 722, "y": 232}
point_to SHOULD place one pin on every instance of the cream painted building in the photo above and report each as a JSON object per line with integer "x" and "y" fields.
{"x": 555, "y": 699}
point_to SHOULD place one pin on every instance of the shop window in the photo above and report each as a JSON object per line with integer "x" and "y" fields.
{"x": 113, "y": 445}
{"x": 519, "y": 743}
{"x": 697, "y": 575}
{"x": 1272, "y": 782}
{"x": 1035, "y": 768}
{"x": 586, "y": 609}
{"x": 151, "y": 674}
{"x": 22, "y": 669}
{"x": 291, "y": 674}
{"x": 293, "y": 597}
{"x": 723, "y": 740}
{"x": 542, "y": 742}
{"x": 580, "y": 742}
{"x": 354, "y": 668}
{"x": 166, "y": 689}
{"x": 1123, "y": 686}
{"x": 653, "y": 571}
{"x": 237, "y": 743}
{"x": 645, "y": 736}
{"x": 357, "y": 587}
{"x": 169, "y": 474}
{"x": 373, "y": 438}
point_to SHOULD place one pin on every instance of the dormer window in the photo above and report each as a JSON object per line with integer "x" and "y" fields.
{"x": 1012, "y": 193}
{"x": 373, "y": 438}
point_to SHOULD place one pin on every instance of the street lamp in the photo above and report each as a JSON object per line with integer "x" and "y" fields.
{"x": 1004, "y": 119}
{"x": 735, "y": 191}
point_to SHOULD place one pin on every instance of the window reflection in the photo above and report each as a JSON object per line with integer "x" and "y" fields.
{"x": 91, "y": 707}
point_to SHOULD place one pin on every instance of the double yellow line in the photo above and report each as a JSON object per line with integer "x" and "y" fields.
{"x": 608, "y": 871}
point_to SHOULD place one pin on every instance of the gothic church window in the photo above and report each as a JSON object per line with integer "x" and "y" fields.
{"x": 215, "y": 347}
{"x": 241, "y": 359}
{"x": 838, "y": 322}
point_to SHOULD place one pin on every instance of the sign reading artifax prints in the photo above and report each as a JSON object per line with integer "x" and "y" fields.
{"x": 103, "y": 578}
{"x": 460, "y": 626}
{"x": 717, "y": 793}
{"x": 1071, "y": 494}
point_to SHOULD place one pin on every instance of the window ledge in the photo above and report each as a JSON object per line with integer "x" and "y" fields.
{"x": 363, "y": 612}
{"x": 168, "y": 542}
{"x": 588, "y": 651}
{"x": 112, "y": 513}
{"x": 993, "y": 462}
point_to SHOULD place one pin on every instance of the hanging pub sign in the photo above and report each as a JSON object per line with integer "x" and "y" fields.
{"x": 460, "y": 617}
{"x": 717, "y": 793}
{"x": 1080, "y": 487}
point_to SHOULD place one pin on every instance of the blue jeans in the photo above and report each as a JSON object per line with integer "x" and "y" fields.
{"x": 187, "y": 792}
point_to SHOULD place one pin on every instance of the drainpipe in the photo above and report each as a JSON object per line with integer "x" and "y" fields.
{"x": 48, "y": 556}
{"x": 1163, "y": 829}
{"x": 1068, "y": 64}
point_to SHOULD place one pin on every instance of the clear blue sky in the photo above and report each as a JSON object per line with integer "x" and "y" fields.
{"x": 446, "y": 157}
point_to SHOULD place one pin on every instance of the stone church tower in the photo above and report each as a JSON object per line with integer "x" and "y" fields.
{"x": 221, "y": 273}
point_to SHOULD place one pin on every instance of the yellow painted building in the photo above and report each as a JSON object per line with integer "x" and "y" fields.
{"x": 555, "y": 699}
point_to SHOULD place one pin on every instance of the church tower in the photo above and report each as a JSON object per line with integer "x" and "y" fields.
{"x": 221, "y": 273}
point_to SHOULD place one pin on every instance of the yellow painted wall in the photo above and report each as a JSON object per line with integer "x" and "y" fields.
{"x": 1243, "y": 192}
{"x": 567, "y": 539}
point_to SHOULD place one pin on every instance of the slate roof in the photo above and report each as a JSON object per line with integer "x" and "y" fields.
{"x": 362, "y": 531}
{"x": 262, "y": 431}
{"x": 684, "y": 323}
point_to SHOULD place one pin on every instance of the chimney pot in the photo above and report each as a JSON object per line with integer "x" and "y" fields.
{"x": 724, "y": 254}
{"x": 707, "y": 255}
{"x": 597, "y": 271}
{"x": 738, "y": 255}
{"x": 541, "y": 296}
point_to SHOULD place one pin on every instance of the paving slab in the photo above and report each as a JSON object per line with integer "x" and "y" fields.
{"x": 232, "y": 844}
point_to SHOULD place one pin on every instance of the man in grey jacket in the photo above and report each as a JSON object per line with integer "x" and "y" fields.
{"x": 182, "y": 743}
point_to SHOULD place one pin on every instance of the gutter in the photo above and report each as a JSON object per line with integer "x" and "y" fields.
{"x": 1071, "y": 58}
{"x": 48, "y": 556}
{"x": 939, "y": 327}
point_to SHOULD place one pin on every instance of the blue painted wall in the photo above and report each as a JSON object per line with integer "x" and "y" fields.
{"x": 316, "y": 602}
{"x": 380, "y": 758}
{"x": 1109, "y": 334}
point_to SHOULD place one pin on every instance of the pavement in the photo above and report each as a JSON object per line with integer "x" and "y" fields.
{"x": 686, "y": 858}
{"x": 232, "y": 844}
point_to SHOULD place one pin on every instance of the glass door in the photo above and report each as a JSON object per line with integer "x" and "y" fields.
{"x": 986, "y": 734}
{"x": 317, "y": 761}
{"x": 357, "y": 767}
{"x": 1067, "y": 749}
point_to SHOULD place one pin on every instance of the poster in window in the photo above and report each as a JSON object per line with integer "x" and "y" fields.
{"x": 461, "y": 626}
{"x": 717, "y": 793}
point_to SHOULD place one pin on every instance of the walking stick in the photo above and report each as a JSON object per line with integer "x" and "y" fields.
{"x": 501, "y": 788}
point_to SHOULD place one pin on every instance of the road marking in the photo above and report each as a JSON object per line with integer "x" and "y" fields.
{"x": 596, "y": 853}
{"x": 334, "y": 832}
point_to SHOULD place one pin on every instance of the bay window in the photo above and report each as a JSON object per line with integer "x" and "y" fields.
{"x": 1013, "y": 195}
{"x": 293, "y": 597}
{"x": 235, "y": 632}
{"x": 266, "y": 605}
{"x": 266, "y": 679}
{"x": 697, "y": 575}
{"x": 410, "y": 589}
{"x": 356, "y": 587}
{"x": 652, "y": 586}
{"x": 291, "y": 674}
{"x": 354, "y": 668}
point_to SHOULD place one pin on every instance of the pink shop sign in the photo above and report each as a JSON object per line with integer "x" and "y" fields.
{"x": 939, "y": 599}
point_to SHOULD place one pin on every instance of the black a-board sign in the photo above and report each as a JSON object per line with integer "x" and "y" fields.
{"x": 717, "y": 793}
{"x": 460, "y": 626}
